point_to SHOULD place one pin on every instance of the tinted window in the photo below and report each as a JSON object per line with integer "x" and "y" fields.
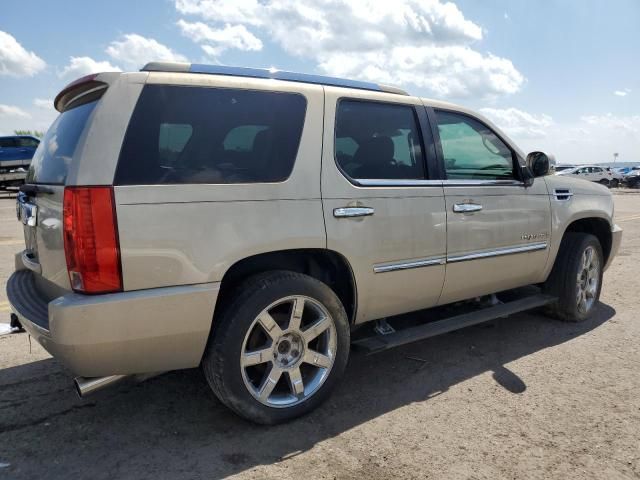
{"x": 471, "y": 150}
{"x": 211, "y": 135}
{"x": 378, "y": 141}
{"x": 52, "y": 158}
{"x": 27, "y": 142}
{"x": 7, "y": 142}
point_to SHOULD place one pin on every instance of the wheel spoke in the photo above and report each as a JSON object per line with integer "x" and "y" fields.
{"x": 296, "y": 313}
{"x": 269, "y": 383}
{"x": 316, "y": 359}
{"x": 270, "y": 326}
{"x": 295, "y": 382}
{"x": 316, "y": 329}
{"x": 256, "y": 357}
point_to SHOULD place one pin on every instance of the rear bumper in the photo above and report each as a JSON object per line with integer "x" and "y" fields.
{"x": 142, "y": 331}
{"x": 616, "y": 238}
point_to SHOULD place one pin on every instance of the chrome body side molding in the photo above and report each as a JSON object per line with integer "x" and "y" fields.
{"x": 392, "y": 267}
{"x": 532, "y": 247}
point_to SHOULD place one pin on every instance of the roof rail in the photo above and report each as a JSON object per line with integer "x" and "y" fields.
{"x": 268, "y": 73}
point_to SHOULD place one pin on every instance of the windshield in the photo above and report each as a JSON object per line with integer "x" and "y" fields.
{"x": 51, "y": 160}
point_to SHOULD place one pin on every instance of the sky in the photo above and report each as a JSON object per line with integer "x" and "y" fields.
{"x": 561, "y": 76}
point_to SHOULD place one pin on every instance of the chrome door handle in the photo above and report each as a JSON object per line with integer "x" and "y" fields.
{"x": 350, "y": 212}
{"x": 466, "y": 207}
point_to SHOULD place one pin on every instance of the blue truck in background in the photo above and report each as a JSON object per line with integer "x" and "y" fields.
{"x": 16, "y": 152}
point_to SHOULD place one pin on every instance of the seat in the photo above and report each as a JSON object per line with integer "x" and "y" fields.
{"x": 375, "y": 157}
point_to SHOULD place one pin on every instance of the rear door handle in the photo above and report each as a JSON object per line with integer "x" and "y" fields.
{"x": 351, "y": 212}
{"x": 466, "y": 207}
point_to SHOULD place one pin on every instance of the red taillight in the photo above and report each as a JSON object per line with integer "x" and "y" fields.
{"x": 91, "y": 240}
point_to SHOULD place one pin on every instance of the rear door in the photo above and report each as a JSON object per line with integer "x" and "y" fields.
{"x": 497, "y": 229}
{"x": 382, "y": 211}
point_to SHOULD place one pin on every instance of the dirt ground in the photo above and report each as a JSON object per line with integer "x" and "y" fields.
{"x": 523, "y": 397}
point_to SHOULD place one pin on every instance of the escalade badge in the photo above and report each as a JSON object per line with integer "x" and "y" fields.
{"x": 533, "y": 236}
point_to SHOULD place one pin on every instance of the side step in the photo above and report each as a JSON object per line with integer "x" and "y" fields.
{"x": 379, "y": 343}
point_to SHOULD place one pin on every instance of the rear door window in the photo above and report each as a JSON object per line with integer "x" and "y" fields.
{"x": 181, "y": 135}
{"x": 376, "y": 140}
{"x": 7, "y": 143}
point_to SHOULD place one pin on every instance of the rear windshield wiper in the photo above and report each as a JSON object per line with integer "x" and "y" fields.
{"x": 33, "y": 190}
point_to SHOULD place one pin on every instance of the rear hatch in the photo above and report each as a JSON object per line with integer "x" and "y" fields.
{"x": 40, "y": 201}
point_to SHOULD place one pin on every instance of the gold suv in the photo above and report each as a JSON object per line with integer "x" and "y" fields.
{"x": 247, "y": 221}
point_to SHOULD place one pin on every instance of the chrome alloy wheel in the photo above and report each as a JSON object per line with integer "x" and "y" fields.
{"x": 588, "y": 279}
{"x": 288, "y": 351}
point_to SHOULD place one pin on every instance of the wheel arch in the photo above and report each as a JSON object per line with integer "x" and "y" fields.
{"x": 325, "y": 265}
{"x": 597, "y": 226}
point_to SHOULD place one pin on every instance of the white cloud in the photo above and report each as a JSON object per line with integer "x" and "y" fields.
{"x": 12, "y": 111}
{"x": 134, "y": 51}
{"x": 519, "y": 124}
{"x": 590, "y": 139}
{"x": 214, "y": 41}
{"x": 629, "y": 124}
{"x": 43, "y": 103}
{"x": 15, "y": 61}
{"x": 622, "y": 93}
{"x": 426, "y": 43}
{"x": 80, "y": 66}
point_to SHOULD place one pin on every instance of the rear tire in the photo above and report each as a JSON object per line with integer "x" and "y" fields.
{"x": 614, "y": 183}
{"x": 576, "y": 277}
{"x": 278, "y": 348}
{"x": 604, "y": 182}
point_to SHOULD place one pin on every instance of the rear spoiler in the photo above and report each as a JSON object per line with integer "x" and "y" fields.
{"x": 82, "y": 90}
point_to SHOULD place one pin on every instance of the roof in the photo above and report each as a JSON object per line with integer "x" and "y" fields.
{"x": 268, "y": 73}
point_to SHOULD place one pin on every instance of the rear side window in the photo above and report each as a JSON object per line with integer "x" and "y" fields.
{"x": 7, "y": 143}
{"x": 181, "y": 135}
{"x": 52, "y": 158}
{"x": 28, "y": 142}
{"x": 377, "y": 140}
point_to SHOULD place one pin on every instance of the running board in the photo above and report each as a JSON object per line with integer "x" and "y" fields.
{"x": 379, "y": 343}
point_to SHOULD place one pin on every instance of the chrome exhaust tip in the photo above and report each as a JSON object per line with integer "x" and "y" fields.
{"x": 88, "y": 385}
{"x": 85, "y": 386}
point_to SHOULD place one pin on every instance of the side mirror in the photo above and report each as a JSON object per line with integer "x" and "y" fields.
{"x": 539, "y": 163}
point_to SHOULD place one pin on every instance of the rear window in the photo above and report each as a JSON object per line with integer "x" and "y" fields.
{"x": 52, "y": 158}
{"x": 181, "y": 134}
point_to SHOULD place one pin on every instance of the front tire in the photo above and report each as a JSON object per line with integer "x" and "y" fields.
{"x": 576, "y": 277}
{"x": 278, "y": 347}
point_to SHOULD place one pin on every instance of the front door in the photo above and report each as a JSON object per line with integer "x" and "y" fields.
{"x": 382, "y": 212}
{"x": 497, "y": 229}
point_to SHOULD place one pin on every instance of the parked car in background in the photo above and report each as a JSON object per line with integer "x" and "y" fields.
{"x": 560, "y": 168}
{"x": 593, "y": 173}
{"x": 615, "y": 177}
{"x": 16, "y": 153}
{"x": 632, "y": 179}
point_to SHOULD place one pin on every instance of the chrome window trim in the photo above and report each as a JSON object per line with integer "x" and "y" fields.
{"x": 486, "y": 183}
{"x": 498, "y": 252}
{"x": 392, "y": 267}
{"x": 373, "y": 182}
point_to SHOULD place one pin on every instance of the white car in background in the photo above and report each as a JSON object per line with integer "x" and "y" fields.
{"x": 594, "y": 173}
